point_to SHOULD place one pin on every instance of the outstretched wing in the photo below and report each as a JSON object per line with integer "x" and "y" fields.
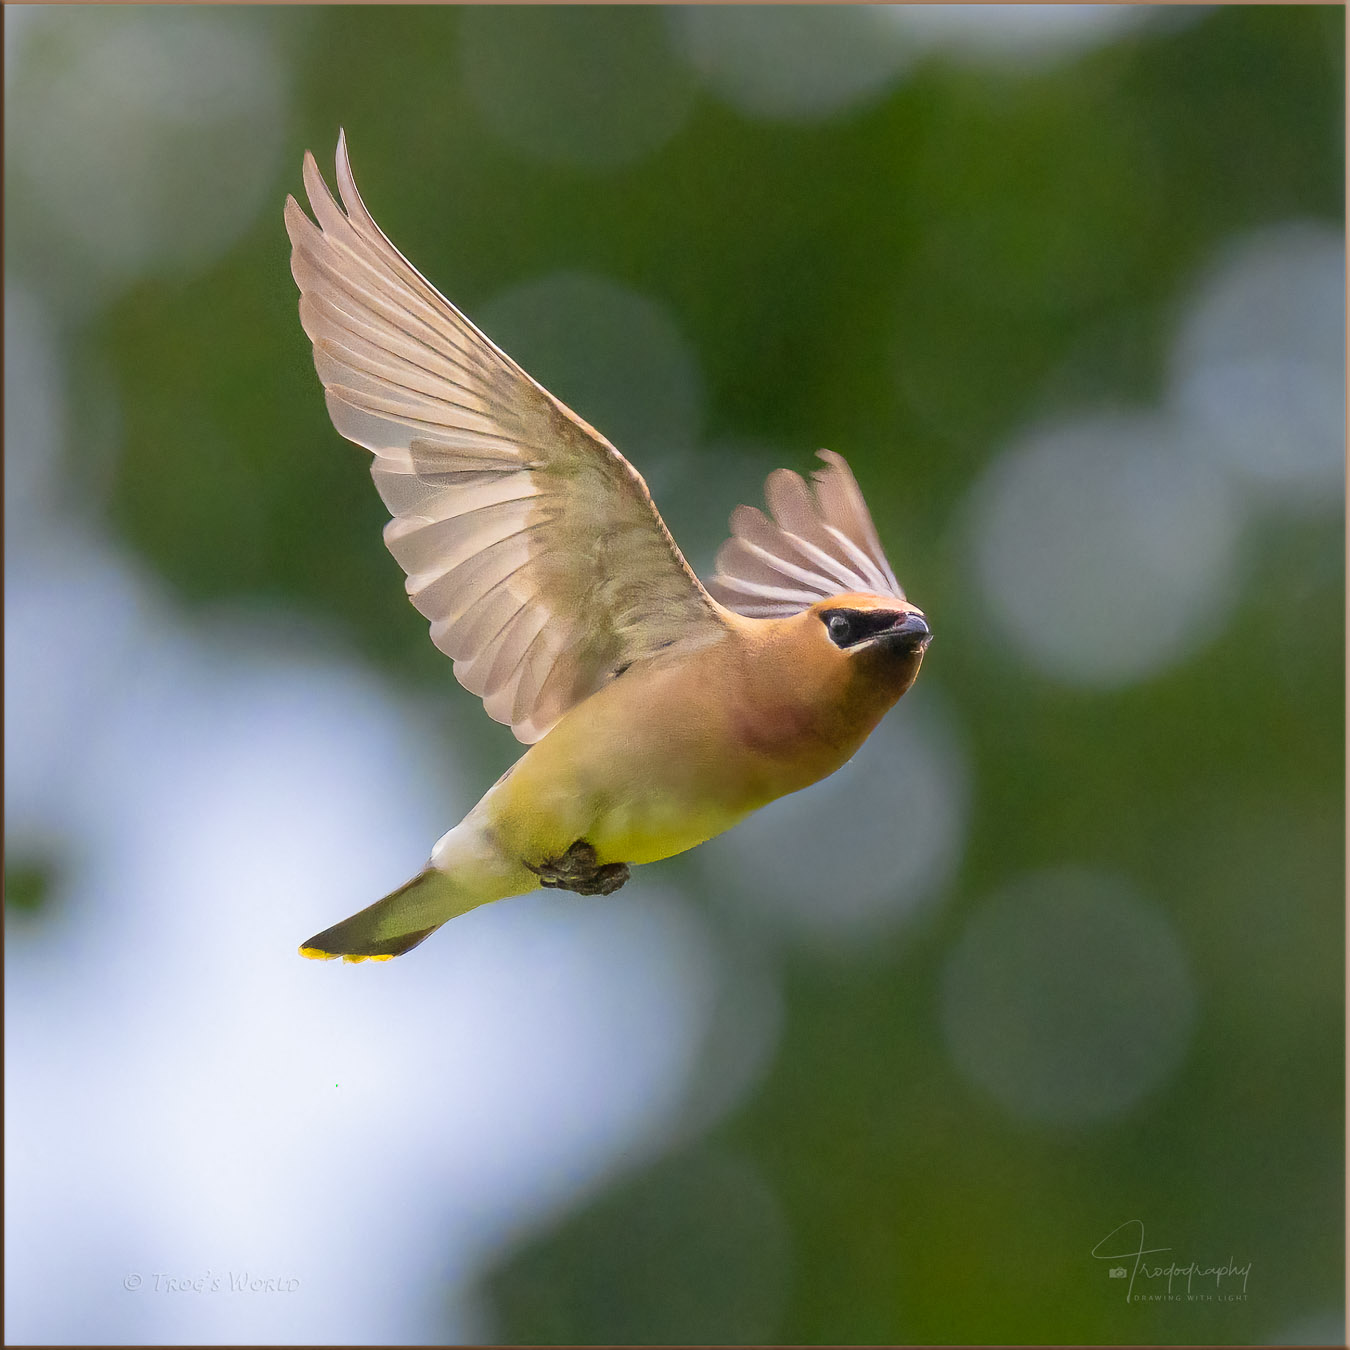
{"x": 530, "y": 543}
{"x": 816, "y": 545}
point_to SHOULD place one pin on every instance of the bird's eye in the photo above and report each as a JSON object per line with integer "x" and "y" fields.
{"x": 841, "y": 629}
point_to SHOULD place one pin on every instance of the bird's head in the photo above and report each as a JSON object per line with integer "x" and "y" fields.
{"x": 882, "y": 638}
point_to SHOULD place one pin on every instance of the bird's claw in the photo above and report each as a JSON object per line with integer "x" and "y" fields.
{"x": 577, "y": 870}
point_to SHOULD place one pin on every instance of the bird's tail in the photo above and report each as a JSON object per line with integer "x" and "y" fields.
{"x": 397, "y": 923}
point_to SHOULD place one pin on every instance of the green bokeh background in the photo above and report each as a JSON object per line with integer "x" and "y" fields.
{"x": 911, "y": 284}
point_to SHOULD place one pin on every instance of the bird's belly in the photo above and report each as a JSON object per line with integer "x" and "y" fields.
{"x": 631, "y": 808}
{"x": 645, "y": 830}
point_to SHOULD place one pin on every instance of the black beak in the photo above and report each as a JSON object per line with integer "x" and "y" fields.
{"x": 911, "y": 634}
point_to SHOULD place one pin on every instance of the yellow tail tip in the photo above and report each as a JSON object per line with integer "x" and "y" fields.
{"x": 317, "y": 954}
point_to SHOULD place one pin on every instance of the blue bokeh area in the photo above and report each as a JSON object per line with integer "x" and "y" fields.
{"x": 1051, "y": 972}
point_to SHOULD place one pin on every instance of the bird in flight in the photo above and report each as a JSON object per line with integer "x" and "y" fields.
{"x": 658, "y": 711}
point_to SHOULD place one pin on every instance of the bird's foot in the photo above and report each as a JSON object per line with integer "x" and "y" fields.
{"x": 578, "y": 871}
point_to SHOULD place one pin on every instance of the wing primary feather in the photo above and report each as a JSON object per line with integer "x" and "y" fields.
{"x": 313, "y": 270}
{"x": 317, "y": 308}
{"x": 427, "y": 549}
{"x": 337, "y": 232}
{"x": 391, "y": 408}
{"x": 396, "y": 373}
{"x": 532, "y": 672}
{"x": 435, "y": 596}
{"x": 482, "y": 625}
{"x": 375, "y": 257}
{"x": 504, "y": 655}
{"x": 356, "y": 210}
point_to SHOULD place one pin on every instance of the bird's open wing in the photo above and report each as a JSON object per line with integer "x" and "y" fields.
{"x": 530, "y": 543}
{"x": 816, "y": 545}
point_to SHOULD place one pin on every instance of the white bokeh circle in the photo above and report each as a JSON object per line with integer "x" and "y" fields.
{"x": 1019, "y": 36}
{"x": 1259, "y": 362}
{"x": 792, "y": 63}
{"x": 151, "y": 136}
{"x": 1107, "y": 548}
{"x": 1067, "y": 999}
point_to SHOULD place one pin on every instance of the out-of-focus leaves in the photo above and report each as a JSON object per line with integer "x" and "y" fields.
{"x": 704, "y": 1260}
{"x": 28, "y": 885}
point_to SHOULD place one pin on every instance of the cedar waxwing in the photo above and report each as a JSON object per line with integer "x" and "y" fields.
{"x": 658, "y": 712}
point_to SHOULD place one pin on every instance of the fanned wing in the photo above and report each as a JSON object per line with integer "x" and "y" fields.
{"x": 530, "y": 543}
{"x": 817, "y": 544}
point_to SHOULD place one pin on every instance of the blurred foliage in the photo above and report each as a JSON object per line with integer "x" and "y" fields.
{"x": 28, "y": 886}
{"x": 907, "y": 284}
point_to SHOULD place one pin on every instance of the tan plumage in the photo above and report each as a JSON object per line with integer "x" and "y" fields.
{"x": 663, "y": 711}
